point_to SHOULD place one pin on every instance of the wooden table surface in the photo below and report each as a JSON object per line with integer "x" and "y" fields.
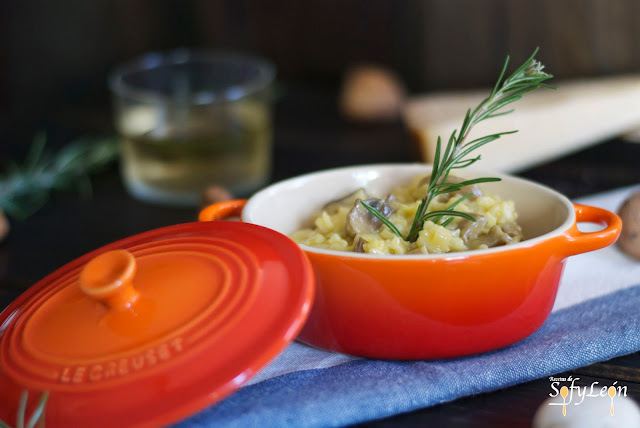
{"x": 310, "y": 135}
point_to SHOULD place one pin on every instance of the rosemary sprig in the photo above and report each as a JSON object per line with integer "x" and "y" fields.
{"x": 526, "y": 78}
{"x": 37, "y": 417}
{"x": 25, "y": 188}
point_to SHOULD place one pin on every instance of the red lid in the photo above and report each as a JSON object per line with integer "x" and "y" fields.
{"x": 153, "y": 328}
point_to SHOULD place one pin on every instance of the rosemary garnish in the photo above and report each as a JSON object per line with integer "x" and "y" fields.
{"x": 37, "y": 417}
{"x": 528, "y": 77}
{"x": 25, "y": 188}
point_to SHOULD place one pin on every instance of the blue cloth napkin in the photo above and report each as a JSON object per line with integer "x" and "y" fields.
{"x": 358, "y": 390}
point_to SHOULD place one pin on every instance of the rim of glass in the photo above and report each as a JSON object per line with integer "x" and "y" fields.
{"x": 153, "y": 60}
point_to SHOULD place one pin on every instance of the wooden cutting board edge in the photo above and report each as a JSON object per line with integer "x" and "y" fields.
{"x": 551, "y": 124}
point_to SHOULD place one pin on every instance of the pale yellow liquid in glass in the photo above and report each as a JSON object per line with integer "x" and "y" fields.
{"x": 174, "y": 163}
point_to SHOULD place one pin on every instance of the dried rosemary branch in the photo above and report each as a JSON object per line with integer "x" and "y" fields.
{"x": 25, "y": 188}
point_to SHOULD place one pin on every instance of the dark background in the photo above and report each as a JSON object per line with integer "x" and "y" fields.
{"x": 55, "y": 55}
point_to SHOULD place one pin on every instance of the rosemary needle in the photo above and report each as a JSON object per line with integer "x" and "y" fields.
{"x": 456, "y": 155}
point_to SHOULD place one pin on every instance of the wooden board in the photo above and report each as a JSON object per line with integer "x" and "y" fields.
{"x": 549, "y": 123}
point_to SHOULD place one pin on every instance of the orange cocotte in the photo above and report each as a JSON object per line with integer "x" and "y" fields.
{"x": 428, "y": 306}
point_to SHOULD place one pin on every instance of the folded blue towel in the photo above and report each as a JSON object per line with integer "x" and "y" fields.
{"x": 359, "y": 390}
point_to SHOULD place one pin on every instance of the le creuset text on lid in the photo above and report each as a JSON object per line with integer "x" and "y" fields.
{"x": 153, "y": 328}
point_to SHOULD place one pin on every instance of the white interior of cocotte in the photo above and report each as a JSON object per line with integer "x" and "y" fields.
{"x": 288, "y": 205}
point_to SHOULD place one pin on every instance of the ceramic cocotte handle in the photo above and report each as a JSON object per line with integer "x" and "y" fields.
{"x": 222, "y": 210}
{"x": 578, "y": 242}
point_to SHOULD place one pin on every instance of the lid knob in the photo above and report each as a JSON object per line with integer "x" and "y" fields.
{"x": 109, "y": 279}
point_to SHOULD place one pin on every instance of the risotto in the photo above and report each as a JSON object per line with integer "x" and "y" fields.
{"x": 345, "y": 224}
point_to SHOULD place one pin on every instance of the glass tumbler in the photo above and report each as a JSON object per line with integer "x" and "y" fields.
{"x": 193, "y": 119}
